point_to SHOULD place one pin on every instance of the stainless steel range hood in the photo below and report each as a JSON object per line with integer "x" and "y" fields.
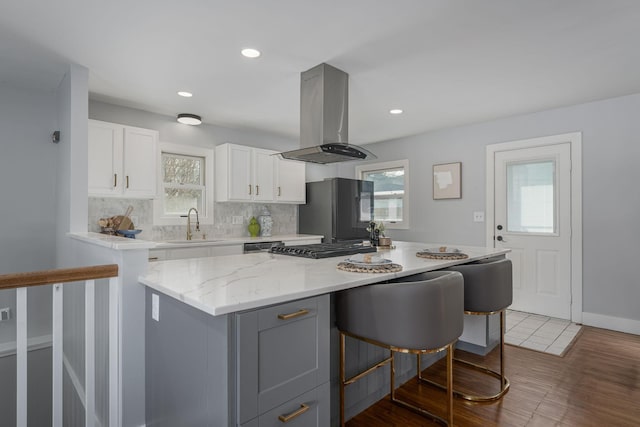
{"x": 324, "y": 118}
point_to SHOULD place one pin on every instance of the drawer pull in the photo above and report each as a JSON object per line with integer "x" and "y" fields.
{"x": 153, "y": 258}
{"x": 286, "y": 418}
{"x": 298, "y": 313}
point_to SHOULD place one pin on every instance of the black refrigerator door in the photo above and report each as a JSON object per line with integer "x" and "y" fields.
{"x": 353, "y": 209}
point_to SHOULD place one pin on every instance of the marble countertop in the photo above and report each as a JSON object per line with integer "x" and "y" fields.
{"x": 226, "y": 241}
{"x": 227, "y": 284}
{"x": 123, "y": 243}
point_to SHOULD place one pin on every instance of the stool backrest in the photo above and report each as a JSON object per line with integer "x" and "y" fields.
{"x": 409, "y": 313}
{"x": 488, "y": 284}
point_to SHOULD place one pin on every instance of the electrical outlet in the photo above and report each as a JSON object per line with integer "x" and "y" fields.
{"x": 155, "y": 307}
{"x": 478, "y": 216}
{"x": 5, "y": 314}
{"x": 237, "y": 220}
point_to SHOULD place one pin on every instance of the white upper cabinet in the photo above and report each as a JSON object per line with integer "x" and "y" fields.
{"x": 290, "y": 181}
{"x": 244, "y": 174}
{"x": 122, "y": 160}
{"x": 256, "y": 175}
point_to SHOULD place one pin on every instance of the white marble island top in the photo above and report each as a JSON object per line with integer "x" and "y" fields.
{"x": 227, "y": 284}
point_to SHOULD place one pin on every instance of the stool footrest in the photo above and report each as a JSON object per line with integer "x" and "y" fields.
{"x": 419, "y": 410}
{"x": 368, "y": 371}
{"x": 471, "y": 397}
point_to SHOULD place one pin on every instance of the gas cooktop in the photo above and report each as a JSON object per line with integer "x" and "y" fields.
{"x": 323, "y": 250}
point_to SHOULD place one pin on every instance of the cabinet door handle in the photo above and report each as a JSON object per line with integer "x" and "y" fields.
{"x": 286, "y": 418}
{"x": 115, "y": 179}
{"x": 298, "y": 313}
{"x": 127, "y": 181}
{"x": 257, "y": 190}
{"x": 279, "y": 192}
{"x": 153, "y": 258}
{"x": 249, "y": 189}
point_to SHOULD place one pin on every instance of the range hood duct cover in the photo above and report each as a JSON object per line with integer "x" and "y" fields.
{"x": 324, "y": 118}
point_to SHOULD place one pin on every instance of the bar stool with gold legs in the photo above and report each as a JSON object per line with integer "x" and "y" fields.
{"x": 488, "y": 290}
{"x": 409, "y": 316}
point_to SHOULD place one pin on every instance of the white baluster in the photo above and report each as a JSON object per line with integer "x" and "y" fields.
{"x": 21, "y": 357}
{"x": 114, "y": 350}
{"x": 89, "y": 354}
{"x": 56, "y": 356}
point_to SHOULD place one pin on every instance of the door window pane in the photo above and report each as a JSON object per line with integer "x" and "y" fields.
{"x": 531, "y": 204}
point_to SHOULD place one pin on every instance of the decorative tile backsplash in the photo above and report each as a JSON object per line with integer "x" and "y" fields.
{"x": 285, "y": 218}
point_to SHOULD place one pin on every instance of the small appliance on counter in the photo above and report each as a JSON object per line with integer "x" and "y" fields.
{"x": 340, "y": 209}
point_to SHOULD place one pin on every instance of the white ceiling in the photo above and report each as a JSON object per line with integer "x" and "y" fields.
{"x": 445, "y": 62}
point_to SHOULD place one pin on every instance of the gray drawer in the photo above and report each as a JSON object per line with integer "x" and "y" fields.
{"x": 279, "y": 359}
{"x": 314, "y": 413}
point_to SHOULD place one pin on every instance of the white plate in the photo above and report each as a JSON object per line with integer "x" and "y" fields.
{"x": 369, "y": 264}
{"x": 436, "y": 251}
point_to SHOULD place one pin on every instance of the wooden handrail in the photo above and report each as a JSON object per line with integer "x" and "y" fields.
{"x": 61, "y": 275}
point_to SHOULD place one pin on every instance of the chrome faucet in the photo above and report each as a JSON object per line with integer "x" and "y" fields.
{"x": 189, "y": 234}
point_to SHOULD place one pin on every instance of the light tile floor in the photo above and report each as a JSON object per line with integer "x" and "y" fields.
{"x": 540, "y": 333}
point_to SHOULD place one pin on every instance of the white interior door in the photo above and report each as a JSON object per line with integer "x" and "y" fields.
{"x": 533, "y": 218}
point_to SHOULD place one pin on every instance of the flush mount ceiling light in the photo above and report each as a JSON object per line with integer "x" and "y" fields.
{"x": 250, "y": 53}
{"x": 185, "y": 94}
{"x": 189, "y": 119}
{"x": 395, "y": 111}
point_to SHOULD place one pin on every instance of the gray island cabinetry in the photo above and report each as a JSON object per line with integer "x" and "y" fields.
{"x": 252, "y": 368}
{"x": 245, "y": 340}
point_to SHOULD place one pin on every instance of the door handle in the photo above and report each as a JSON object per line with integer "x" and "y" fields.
{"x": 500, "y": 239}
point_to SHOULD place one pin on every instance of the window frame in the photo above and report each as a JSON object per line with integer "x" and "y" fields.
{"x": 381, "y": 166}
{"x": 206, "y": 217}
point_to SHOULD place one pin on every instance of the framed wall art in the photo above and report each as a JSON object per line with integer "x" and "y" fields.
{"x": 446, "y": 181}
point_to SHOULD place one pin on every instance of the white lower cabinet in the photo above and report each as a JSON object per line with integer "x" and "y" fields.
{"x": 283, "y": 363}
{"x": 194, "y": 252}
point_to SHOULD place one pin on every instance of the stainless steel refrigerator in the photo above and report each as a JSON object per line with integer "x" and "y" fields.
{"x": 340, "y": 209}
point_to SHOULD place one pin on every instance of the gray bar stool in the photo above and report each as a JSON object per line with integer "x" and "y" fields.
{"x": 408, "y": 315}
{"x": 488, "y": 289}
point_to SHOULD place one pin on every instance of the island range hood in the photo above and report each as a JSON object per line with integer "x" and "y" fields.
{"x": 324, "y": 118}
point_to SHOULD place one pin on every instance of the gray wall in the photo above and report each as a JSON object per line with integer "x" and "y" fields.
{"x": 174, "y": 132}
{"x": 611, "y": 201}
{"x": 28, "y": 166}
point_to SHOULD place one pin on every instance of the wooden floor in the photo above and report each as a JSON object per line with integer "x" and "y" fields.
{"x": 596, "y": 383}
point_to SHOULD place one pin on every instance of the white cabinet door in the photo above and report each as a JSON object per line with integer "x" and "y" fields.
{"x": 244, "y": 174}
{"x": 239, "y": 174}
{"x": 140, "y": 162}
{"x": 121, "y": 160}
{"x": 105, "y": 158}
{"x": 263, "y": 175}
{"x": 290, "y": 181}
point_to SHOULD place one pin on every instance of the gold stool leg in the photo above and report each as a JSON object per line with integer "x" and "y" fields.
{"x": 450, "y": 383}
{"x": 342, "y": 378}
{"x": 504, "y": 381}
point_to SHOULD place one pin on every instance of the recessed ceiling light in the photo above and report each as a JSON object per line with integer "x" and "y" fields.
{"x": 250, "y": 53}
{"x": 395, "y": 111}
{"x": 189, "y": 119}
{"x": 185, "y": 94}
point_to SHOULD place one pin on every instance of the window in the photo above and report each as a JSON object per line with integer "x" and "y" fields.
{"x": 186, "y": 181}
{"x": 183, "y": 183}
{"x": 390, "y": 191}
